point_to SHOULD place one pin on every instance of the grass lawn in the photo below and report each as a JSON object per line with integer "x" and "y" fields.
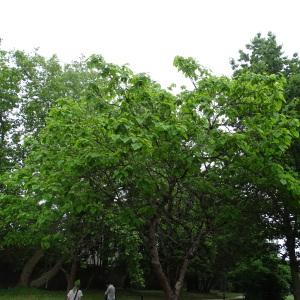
{"x": 32, "y": 294}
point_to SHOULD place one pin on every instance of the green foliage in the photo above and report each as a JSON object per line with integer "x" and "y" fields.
{"x": 263, "y": 278}
{"x": 9, "y": 102}
{"x": 107, "y": 151}
{"x": 279, "y": 184}
{"x": 262, "y": 55}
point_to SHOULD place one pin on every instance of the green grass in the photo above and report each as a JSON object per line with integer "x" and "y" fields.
{"x": 289, "y": 298}
{"x": 33, "y": 294}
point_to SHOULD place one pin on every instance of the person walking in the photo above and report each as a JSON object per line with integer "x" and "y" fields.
{"x": 75, "y": 293}
{"x": 110, "y": 293}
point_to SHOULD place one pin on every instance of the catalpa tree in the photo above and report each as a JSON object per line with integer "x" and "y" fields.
{"x": 157, "y": 166}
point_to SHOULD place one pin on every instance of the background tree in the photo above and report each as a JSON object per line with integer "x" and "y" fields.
{"x": 266, "y": 277}
{"x": 280, "y": 188}
{"x": 55, "y": 209}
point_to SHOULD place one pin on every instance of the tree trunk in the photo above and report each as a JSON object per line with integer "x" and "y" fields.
{"x": 155, "y": 261}
{"x": 45, "y": 277}
{"x": 294, "y": 266}
{"x": 72, "y": 275}
{"x": 189, "y": 255}
{"x": 90, "y": 280}
{"x": 205, "y": 284}
{"x": 295, "y": 281}
{"x": 29, "y": 267}
{"x": 291, "y": 249}
{"x": 170, "y": 293}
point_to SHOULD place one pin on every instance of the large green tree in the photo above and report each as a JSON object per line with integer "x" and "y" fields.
{"x": 30, "y": 85}
{"x": 10, "y": 79}
{"x": 153, "y": 160}
{"x": 38, "y": 211}
{"x": 110, "y": 155}
{"x": 279, "y": 189}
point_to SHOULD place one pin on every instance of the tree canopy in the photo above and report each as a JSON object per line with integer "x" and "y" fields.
{"x": 110, "y": 165}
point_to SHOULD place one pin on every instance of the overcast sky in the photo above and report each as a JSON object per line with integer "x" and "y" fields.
{"x": 147, "y": 34}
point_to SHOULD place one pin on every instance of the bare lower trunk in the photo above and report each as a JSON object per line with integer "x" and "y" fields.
{"x": 155, "y": 261}
{"x": 189, "y": 255}
{"x": 72, "y": 275}
{"x": 294, "y": 267}
{"x": 91, "y": 278}
{"x": 296, "y": 284}
{"x": 45, "y": 277}
{"x": 291, "y": 249}
{"x": 29, "y": 267}
{"x": 205, "y": 285}
{"x": 170, "y": 293}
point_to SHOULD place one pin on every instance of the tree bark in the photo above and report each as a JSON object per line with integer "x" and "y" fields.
{"x": 91, "y": 278}
{"x": 155, "y": 261}
{"x": 189, "y": 255}
{"x": 170, "y": 293}
{"x": 29, "y": 267}
{"x": 205, "y": 284}
{"x": 72, "y": 275}
{"x": 45, "y": 277}
{"x": 294, "y": 266}
{"x": 291, "y": 249}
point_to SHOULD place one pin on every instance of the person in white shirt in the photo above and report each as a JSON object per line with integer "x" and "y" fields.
{"x": 110, "y": 292}
{"x": 75, "y": 293}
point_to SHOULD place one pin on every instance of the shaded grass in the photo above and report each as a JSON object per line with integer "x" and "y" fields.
{"x": 34, "y": 294}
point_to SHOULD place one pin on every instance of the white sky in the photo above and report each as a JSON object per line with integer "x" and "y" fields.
{"x": 147, "y": 34}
